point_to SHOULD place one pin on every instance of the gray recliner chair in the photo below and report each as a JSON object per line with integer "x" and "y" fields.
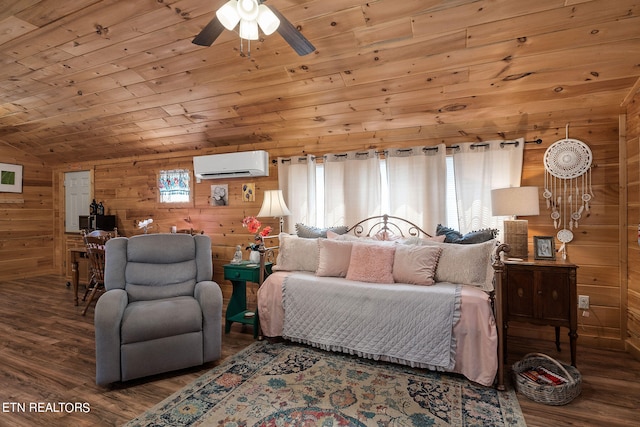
{"x": 161, "y": 311}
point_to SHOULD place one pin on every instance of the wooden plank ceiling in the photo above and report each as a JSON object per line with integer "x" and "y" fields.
{"x": 83, "y": 80}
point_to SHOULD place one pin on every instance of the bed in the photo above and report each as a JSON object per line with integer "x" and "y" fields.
{"x": 370, "y": 292}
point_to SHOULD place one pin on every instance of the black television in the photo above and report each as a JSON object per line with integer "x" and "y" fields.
{"x": 97, "y": 222}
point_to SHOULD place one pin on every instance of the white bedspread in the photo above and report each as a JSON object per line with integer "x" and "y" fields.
{"x": 377, "y": 321}
{"x": 476, "y": 335}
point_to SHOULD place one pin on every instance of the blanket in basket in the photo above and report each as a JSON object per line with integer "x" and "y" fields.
{"x": 399, "y": 323}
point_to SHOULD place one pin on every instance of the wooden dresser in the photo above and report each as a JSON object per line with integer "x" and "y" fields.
{"x": 542, "y": 293}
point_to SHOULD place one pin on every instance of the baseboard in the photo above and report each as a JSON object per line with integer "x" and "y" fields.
{"x": 547, "y": 333}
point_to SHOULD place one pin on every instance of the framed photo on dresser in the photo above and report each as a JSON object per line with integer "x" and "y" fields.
{"x": 544, "y": 247}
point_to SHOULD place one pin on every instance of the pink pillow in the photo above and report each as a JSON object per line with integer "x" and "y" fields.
{"x": 416, "y": 265}
{"x": 371, "y": 263}
{"x": 333, "y": 258}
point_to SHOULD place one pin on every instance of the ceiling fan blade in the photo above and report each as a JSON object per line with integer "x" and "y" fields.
{"x": 298, "y": 42}
{"x": 210, "y": 33}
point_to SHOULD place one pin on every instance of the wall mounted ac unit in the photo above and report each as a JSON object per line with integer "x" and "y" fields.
{"x": 231, "y": 165}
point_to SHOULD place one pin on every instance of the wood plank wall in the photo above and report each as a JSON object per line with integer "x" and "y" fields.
{"x": 127, "y": 188}
{"x": 27, "y": 228}
{"x": 633, "y": 232}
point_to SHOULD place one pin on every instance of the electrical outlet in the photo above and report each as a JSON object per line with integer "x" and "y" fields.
{"x": 583, "y": 302}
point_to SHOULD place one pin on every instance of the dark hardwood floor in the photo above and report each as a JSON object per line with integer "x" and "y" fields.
{"x": 47, "y": 358}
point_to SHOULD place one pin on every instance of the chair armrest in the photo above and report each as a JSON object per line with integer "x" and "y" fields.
{"x": 209, "y": 296}
{"x": 107, "y": 319}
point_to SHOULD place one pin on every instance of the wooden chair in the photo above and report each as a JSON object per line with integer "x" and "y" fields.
{"x": 95, "y": 245}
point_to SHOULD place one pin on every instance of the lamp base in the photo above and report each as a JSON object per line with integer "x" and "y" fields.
{"x": 516, "y": 235}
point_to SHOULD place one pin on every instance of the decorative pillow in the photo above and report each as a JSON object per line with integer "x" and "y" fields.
{"x": 364, "y": 239}
{"x": 415, "y": 265}
{"x": 386, "y": 236}
{"x": 466, "y": 264}
{"x": 334, "y": 257}
{"x": 296, "y": 254}
{"x": 450, "y": 234}
{"x": 310, "y": 232}
{"x": 371, "y": 263}
{"x": 349, "y": 237}
{"x": 453, "y": 236}
{"x": 421, "y": 240}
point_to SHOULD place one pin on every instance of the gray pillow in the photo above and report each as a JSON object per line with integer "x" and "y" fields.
{"x": 454, "y": 236}
{"x": 310, "y": 232}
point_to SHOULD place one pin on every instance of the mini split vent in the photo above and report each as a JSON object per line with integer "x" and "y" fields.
{"x": 231, "y": 165}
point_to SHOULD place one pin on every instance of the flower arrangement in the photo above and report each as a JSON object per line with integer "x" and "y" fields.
{"x": 253, "y": 225}
{"x": 145, "y": 225}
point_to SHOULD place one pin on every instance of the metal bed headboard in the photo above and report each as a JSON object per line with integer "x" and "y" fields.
{"x": 382, "y": 227}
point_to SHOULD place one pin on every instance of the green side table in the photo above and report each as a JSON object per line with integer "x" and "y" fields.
{"x": 239, "y": 275}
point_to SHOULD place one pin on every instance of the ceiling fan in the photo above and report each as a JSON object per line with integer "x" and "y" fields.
{"x": 250, "y": 14}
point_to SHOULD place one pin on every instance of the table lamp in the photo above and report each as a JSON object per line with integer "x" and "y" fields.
{"x": 274, "y": 206}
{"x": 516, "y": 201}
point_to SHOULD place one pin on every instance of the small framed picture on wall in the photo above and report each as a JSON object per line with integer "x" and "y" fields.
{"x": 544, "y": 247}
{"x": 10, "y": 178}
{"x": 249, "y": 192}
{"x": 220, "y": 195}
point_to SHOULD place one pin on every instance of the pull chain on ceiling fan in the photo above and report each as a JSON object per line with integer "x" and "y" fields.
{"x": 251, "y": 14}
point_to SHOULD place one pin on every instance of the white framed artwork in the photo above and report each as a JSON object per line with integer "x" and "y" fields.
{"x": 10, "y": 178}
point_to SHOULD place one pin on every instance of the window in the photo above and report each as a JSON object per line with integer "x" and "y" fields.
{"x": 426, "y": 185}
{"x": 452, "y": 199}
{"x": 452, "y": 206}
{"x": 174, "y": 186}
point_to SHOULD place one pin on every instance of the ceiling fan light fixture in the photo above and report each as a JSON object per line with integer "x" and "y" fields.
{"x": 248, "y": 9}
{"x": 228, "y": 14}
{"x": 267, "y": 20}
{"x": 253, "y": 16}
{"x": 248, "y": 30}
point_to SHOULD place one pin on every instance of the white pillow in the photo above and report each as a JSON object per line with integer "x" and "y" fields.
{"x": 362, "y": 239}
{"x": 466, "y": 264}
{"x": 296, "y": 254}
{"x": 334, "y": 257}
{"x": 421, "y": 240}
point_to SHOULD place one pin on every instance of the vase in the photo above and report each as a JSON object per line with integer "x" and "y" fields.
{"x": 254, "y": 257}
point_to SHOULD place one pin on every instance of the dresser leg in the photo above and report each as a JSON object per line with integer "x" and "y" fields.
{"x": 558, "y": 338}
{"x": 573, "y": 338}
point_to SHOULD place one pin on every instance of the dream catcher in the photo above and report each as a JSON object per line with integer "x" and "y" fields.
{"x": 567, "y": 186}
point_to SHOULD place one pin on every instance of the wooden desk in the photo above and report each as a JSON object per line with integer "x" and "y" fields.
{"x": 77, "y": 257}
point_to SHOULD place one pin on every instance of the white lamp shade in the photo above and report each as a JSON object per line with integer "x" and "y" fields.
{"x": 248, "y": 9}
{"x": 267, "y": 20}
{"x": 228, "y": 15}
{"x": 273, "y": 205}
{"x": 248, "y": 30}
{"x": 515, "y": 201}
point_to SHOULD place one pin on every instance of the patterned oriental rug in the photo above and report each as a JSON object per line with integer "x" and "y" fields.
{"x": 287, "y": 384}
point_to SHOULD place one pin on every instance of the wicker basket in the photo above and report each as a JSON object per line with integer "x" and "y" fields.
{"x": 547, "y": 394}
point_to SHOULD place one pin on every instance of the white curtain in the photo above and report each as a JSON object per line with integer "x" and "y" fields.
{"x": 479, "y": 168}
{"x": 297, "y": 180}
{"x": 417, "y": 185}
{"x": 351, "y": 187}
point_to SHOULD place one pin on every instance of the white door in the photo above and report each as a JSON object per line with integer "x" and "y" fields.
{"x": 76, "y": 198}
